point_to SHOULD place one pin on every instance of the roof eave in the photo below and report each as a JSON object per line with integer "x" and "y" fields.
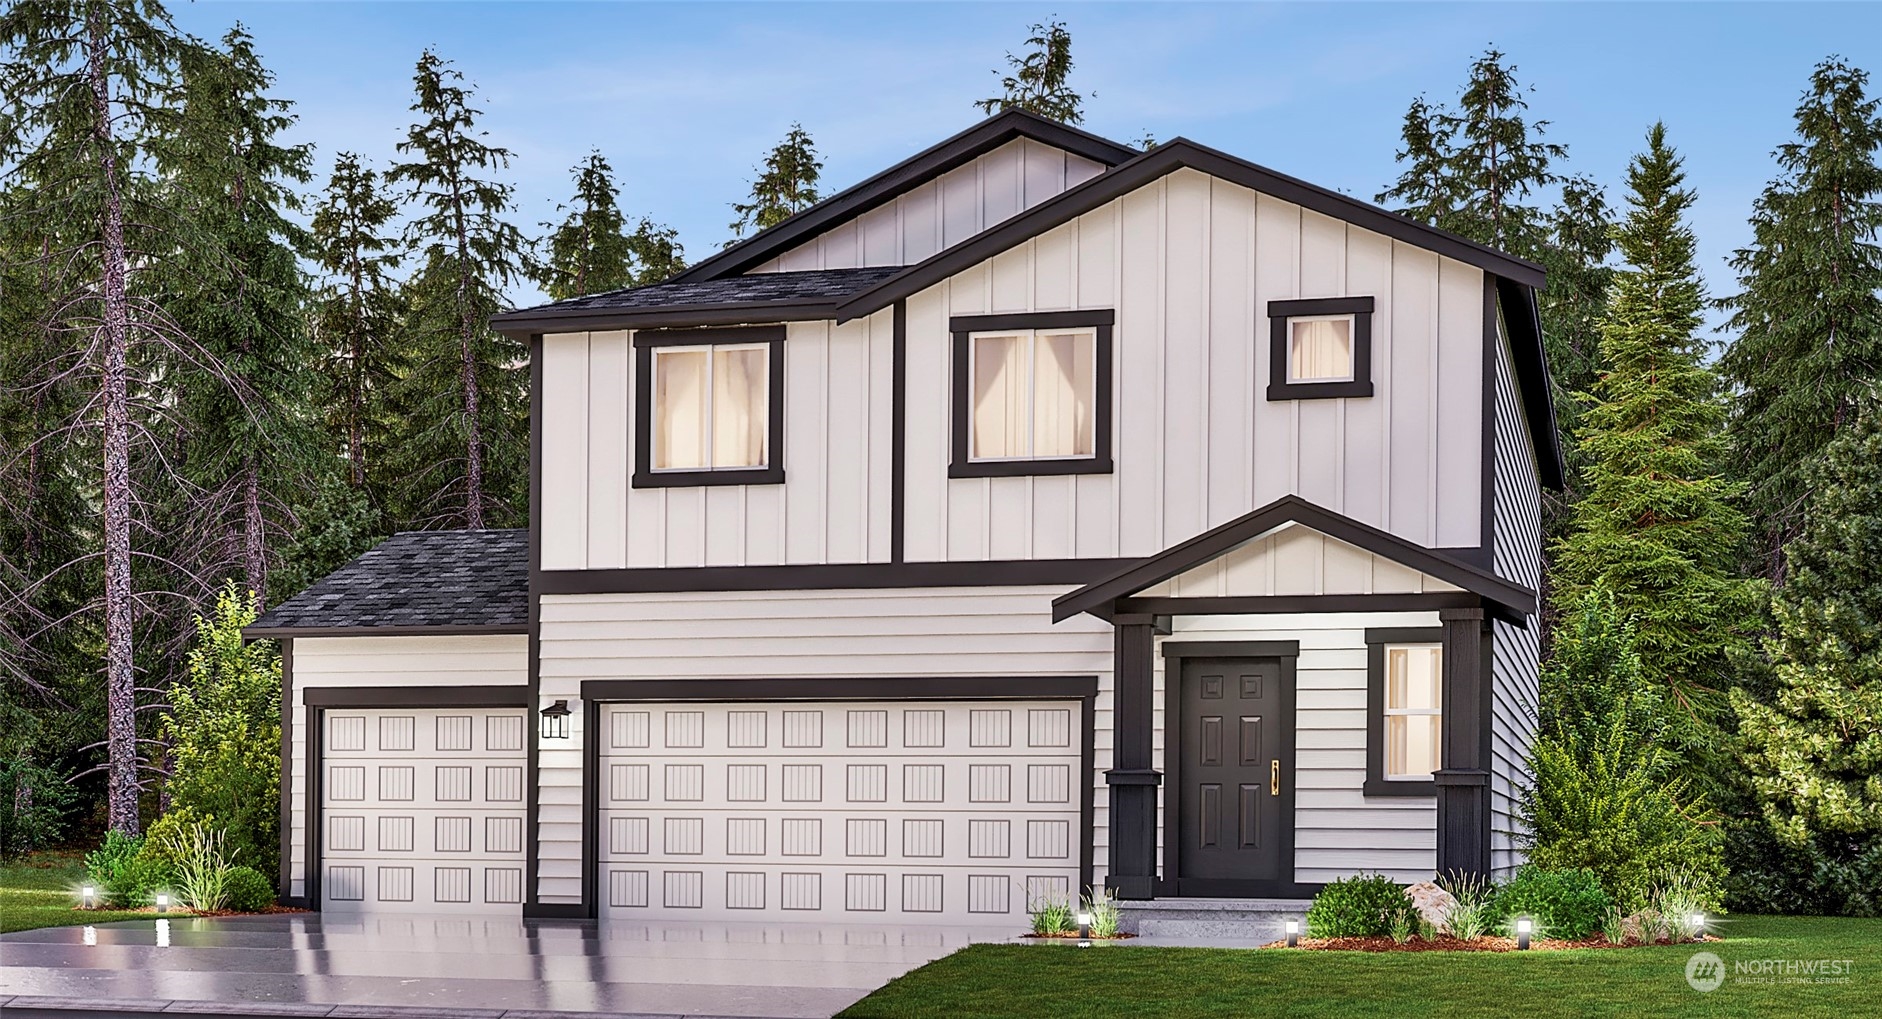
{"x": 665, "y": 316}
{"x": 257, "y": 632}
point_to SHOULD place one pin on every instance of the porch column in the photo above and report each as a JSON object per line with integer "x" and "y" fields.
{"x": 1132, "y": 780}
{"x": 1463, "y": 783}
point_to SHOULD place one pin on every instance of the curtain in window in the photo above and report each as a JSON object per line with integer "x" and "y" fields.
{"x": 1000, "y": 391}
{"x": 740, "y": 410}
{"x": 680, "y": 408}
{"x": 1064, "y": 390}
{"x": 1412, "y": 701}
{"x": 1322, "y": 349}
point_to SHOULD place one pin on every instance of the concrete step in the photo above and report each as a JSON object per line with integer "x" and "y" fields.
{"x": 1260, "y": 919}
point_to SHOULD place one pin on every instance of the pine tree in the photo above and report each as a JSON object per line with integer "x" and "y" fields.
{"x": 1655, "y": 524}
{"x": 1037, "y": 83}
{"x": 1812, "y": 751}
{"x": 357, "y": 313}
{"x": 786, "y": 185}
{"x": 1427, "y": 189}
{"x": 1809, "y": 311}
{"x": 462, "y": 388}
{"x": 1500, "y": 159}
{"x": 591, "y": 252}
{"x": 658, "y": 254}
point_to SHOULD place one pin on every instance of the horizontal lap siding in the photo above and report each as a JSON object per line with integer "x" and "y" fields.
{"x": 379, "y": 663}
{"x": 792, "y": 634}
{"x": 1518, "y": 516}
{"x": 1339, "y": 831}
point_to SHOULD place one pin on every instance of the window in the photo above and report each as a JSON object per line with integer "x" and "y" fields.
{"x": 709, "y": 407}
{"x": 1405, "y": 701}
{"x": 1320, "y": 348}
{"x": 1032, "y": 394}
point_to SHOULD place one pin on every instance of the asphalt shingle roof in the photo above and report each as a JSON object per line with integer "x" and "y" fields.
{"x": 418, "y": 579}
{"x": 812, "y": 285}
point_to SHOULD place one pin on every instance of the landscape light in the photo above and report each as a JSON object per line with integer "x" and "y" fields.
{"x": 1084, "y": 930}
{"x": 163, "y": 903}
{"x": 1698, "y": 921}
{"x": 1523, "y": 928}
{"x": 555, "y": 720}
{"x": 1293, "y": 933}
{"x": 89, "y": 896}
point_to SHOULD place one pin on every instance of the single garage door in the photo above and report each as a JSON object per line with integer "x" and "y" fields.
{"x": 839, "y": 812}
{"x": 422, "y": 810}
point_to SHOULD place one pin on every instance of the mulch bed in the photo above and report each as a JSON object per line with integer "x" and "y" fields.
{"x": 179, "y": 911}
{"x": 1446, "y": 943}
{"x": 1073, "y": 936}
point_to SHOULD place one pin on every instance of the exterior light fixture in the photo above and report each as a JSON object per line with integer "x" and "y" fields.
{"x": 1524, "y": 927}
{"x": 555, "y": 720}
{"x": 1293, "y": 933}
{"x": 163, "y": 902}
{"x": 1084, "y": 930}
{"x": 89, "y": 896}
{"x": 1698, "y": 921}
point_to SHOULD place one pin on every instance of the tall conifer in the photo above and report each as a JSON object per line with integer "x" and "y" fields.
{"x": 786, "y": 185}
{"x": 357, "y": 312}
{"x": 1038, "y": 81}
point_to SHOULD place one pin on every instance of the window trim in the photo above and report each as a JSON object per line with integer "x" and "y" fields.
{"x": 1377, "y": 640}
{"x": 645, "y": 342}
{"x": 963, "y": 327}
{"x": 1280, "y": 313}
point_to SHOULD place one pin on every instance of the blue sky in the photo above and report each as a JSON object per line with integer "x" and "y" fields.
{"x": 685, "y": 99}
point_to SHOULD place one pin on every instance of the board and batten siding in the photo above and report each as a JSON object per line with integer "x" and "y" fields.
{"x": 1189, "y": 264}
{"x": 382, "y": 663}
{"x": 833, "y": 508}
{"x": 1515, "y": 689}
{"x": 945, "y": 211}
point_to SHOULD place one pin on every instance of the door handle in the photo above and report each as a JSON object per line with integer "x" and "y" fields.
{"x": 1274, "y": 777}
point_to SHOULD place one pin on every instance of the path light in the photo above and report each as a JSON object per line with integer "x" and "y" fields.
{"x": 1524, "y": 926}
{"x": 555, "y": 720}
{"x": 89, "y": 896}
{"x": 163, "y": 902}
{"x": 1084, "y": 930}
{"x": 1293, "y": 933}
{"x": 1698, "y": 921}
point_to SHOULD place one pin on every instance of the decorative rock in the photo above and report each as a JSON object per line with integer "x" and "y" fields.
{"x": 1434, "y": 903}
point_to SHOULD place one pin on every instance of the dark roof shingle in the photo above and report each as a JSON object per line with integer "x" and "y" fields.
{"x": 416, "y": 580}
{"x": 809, "y": 285}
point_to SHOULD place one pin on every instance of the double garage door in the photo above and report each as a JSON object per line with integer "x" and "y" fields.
{"x": 422, "y": 810}
{"x": 901, "y": 812}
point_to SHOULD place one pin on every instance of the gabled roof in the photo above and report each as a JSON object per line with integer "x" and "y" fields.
{"x": 415, "y": 582}
{"x": 904, "y": 176}
{"x": 1512, "y": 599}
{"x": 758, "y": 297}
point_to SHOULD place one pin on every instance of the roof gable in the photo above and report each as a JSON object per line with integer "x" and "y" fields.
{"x": 1296, "y": 559}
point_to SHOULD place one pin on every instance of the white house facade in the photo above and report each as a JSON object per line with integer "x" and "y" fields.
{"x": 1035, "y": 516}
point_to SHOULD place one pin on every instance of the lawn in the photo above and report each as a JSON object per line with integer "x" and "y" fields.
{"x": 41, "y": 891}
{"x": 994, "y": 981}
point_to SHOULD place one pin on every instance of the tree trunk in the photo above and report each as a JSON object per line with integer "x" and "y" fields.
{"x": 254, "y": 551}
{"x": 356, "y": 390}
{"x": 114, "y": 338}
{"x": 467, "y": 326}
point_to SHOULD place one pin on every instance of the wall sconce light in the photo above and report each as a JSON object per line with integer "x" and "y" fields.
{"x": 555, "y": 720}
{"x": 1524, "y": 927}
{"x": 1293, "y": 933}
{"x": 1084, "y": 930}
{"x": 163, "y": 902}
{"x": 89, "y": 896}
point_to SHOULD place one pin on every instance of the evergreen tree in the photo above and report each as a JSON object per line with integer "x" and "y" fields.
{"x": 1500, "y": 159}
{"x": 786, "y": 185}
{"x": 1809, "y": 311}
{"x": 591, "y": 252}
{"x": 1037, "y": 82}
{"x": 1427, "y": 189}
{"x": 462, "y": 389}
{"x": 357, "y": 313}
{"x": 1813, "y": 751}
{"x": 658, "y": 254}
{"x": 1655, "y": 524}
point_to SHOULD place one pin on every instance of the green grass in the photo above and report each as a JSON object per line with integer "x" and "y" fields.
{"x": 1063, "y": 982}
{"x": 42, "y": 891}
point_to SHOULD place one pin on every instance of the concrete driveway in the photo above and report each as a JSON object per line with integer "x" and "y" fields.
{"x": 478, "y": 967}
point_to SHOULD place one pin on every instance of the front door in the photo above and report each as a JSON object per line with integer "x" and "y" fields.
{"x": 1232, "y": 763}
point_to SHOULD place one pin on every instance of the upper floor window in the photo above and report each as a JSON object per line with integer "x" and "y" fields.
{"x": 1032, "y": 394}
{"x": 1320, "y": 348}
{"x": 1405, "y": 702}
{"x": 709, "y": 407}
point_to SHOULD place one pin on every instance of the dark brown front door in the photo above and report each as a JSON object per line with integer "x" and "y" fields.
{"x": 1233, "y": 760}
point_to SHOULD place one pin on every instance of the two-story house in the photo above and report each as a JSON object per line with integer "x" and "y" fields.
{"x": 1037, "y": 514}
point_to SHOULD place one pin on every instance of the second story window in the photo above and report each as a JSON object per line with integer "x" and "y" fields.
{"x": 1032, "y": 394}
{"x": 709, "y": 407}
{"x": 1320, "y": 348}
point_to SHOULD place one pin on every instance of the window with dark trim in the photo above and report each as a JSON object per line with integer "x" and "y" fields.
{"x": 1031, "y": 394}
{"x": 709, "y": 407}
{"x": 1320, "y": 349}
{"x": 1404, "y": 710}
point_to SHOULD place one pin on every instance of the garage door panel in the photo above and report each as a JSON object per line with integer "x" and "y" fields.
{"x": 937, "y": 812}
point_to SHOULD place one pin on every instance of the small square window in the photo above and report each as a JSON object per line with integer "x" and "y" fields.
{"x": 1320, "y": 348}
{"x": 708, "y": 407}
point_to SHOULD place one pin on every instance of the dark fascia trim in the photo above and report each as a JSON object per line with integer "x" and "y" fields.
{"x": 989, "y": 573}
{"x": 962, "y": 465}
{"x": 884, "y": 187}
{"x": 665, "y": 316}
{"x": 441, "y": 630}
{"x": 287, "y": 772}
{"x": 1360, "y": 385}
{"x": 644, "y": 345}
{"x": 1531, "y": 361}
{"x": 1511, "y": 598}
{"x": 1167, "y": 158}
{"x": 1263, "y": 604}
{"x": 1376, "y": 784}
{"x": 932, "y": 688}
{"x": 416, "y": 696}
{"x": 1231, "y": 649}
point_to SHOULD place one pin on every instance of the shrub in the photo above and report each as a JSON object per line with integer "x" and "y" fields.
{"x": 1051, "y": 915}
{"x": 1365, "y": 906}
{"x": 1472, "y": 915}
{"x": 125, "y": 878}
{"x": 33, "y": 802}
{"x": 1104, "y": 914}
{"x": 165, "y": 835}
{"x": 202, "y": 867}
{"x": 249, "y": 891}
{"x": 1567, "y": 903}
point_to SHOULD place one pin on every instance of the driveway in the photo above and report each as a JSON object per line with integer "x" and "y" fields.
{"x": 772, "y": 970}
